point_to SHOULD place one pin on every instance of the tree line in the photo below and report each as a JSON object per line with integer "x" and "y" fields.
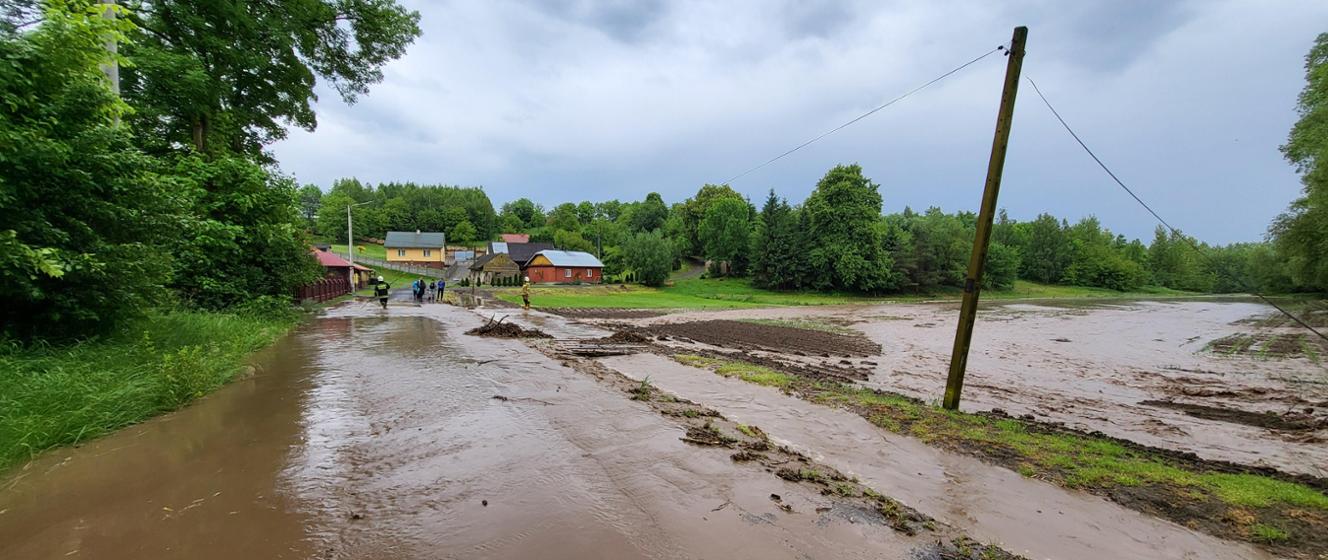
{"x": 164, "y": 194}
{"x": 839, "y": 240}
{"x": 465, "y": 214}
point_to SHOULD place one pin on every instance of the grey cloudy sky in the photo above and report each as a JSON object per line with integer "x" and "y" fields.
{"x": 581, "y": 100}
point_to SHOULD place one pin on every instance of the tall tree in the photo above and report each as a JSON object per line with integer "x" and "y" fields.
{"x": 1046, "y": 253}
{"x": 650, "y": 255}
{"x": 844, "y": 246}
{"x": 693, "y": 210}
{"x": 775, "y": 251}
{"x": 529, "y": 214}
{"x": 1301, "y": 233}
{"x": 233, "y": 74}
{"x": 650, "y": 214}
{"x": 311, "y": 197}
{"x": 84, "y": 216}
{"x": 725, "y": 233}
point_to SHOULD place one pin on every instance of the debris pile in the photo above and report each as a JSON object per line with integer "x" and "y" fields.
{"x": 499, "y": 329}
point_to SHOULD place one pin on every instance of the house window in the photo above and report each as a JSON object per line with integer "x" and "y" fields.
{"x": 589, "y": 273}
{"x": 428, "y": 252}
{"x": 567, "y": 273}
{"x": 401, "y": 252}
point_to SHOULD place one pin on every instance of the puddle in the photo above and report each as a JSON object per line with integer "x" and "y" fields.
{"x": 370, "y": 434}
{"x": 991, "y": 504}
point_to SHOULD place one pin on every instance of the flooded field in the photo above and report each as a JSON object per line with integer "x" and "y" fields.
{"x": 363, "y": 436}
{"x": 1142, "y": 371}
{"x": 371, "y": 434}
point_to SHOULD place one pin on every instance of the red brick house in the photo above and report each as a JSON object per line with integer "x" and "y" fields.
{"x": 563, "y": 267}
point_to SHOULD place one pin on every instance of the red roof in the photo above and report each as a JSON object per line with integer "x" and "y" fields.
{"x": 515, "y": 238}
{"x": 330, "y": 260}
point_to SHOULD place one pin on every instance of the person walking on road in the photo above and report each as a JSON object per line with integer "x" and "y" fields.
{"x": 433, "y": 291}
{"x": 442, "y": 285}
{"x": 525, "y": 294}
{"x": 380, "y": 291}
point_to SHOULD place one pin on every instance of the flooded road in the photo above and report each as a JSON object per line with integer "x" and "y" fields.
{"x": 1098, "y": 366}
{"x": 378, "y": 435}
{"x": 992, "y": 504}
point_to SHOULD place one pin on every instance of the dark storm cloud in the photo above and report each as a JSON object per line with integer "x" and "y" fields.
{"x": 624, "y": 20}
{"x": 574, "y": 100}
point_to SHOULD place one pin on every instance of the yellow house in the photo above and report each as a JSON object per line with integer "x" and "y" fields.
{"x": 417, "y": 248}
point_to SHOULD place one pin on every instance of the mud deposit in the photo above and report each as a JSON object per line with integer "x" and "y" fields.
{"x": 755, "y": 336}
{"x": 1292, "y": 421}
{"x": 371, "y": 434}
{"x": 1091, "y": 366}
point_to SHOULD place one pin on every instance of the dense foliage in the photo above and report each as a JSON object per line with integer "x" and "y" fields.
{"x": 464, "y": 214}
{"x": 83, "y": 215}
{"x": 650, "y": 255}
{"x": 110, "y": 205}
{"x": 1301, "y": 234}
{"x": 231, "y": 75}
{"x": 838, "y": 241}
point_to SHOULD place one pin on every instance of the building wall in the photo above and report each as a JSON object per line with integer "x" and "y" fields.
{"x": 555, "y": 274}
{"x": 415, "y": 255}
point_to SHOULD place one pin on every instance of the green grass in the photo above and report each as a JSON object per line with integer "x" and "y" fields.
{"x": 1267, "y": 534}
{"x": 396, "y": 278}
{"x": 751, "y": 373}
{"x": 61, "y": 395}
{"x": 1070, "y": 459}
{"x": 733, "y": 293}
{"x": 364, "y": 249}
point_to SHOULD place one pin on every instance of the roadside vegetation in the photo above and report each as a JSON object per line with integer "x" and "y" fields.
{"x": 1229, "y": 502}
{"x": 148, "y": 241}
{"x": 52, "y": 395}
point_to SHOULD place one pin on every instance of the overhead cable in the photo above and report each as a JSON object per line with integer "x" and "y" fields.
{"x": 1212, "y": 263}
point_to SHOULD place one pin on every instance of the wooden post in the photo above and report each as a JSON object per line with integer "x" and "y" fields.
{"x": 973, "y": 283}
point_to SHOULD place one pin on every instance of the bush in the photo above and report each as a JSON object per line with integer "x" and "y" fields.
{"x": 81, "y": 210}
{"x": 246, "y": 239}
{"x": 650, "y": 256}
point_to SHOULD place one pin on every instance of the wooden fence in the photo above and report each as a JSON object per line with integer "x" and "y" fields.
{"x": 323, "y": 290}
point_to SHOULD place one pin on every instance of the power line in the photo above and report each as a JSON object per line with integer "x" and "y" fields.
{"x": 864, "y": 115}
{"x": 1173, "y": 230}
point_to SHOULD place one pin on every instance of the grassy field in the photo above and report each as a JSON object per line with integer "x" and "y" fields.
{"x": 364, "y": 249}
{"x": 61, "y": 395}
{"x": 729, "y": 293}
{"x": 1247, "y": 506}
{"x": 397, "y": 279}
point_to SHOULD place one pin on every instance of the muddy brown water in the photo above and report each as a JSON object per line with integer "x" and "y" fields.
{"x": 992, "y": 504}
{"x": 371, "y": 434}
{"x": 1097, "y": 366}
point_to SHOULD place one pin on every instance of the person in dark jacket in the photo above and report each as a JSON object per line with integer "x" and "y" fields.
{"x": 380, "y": 291}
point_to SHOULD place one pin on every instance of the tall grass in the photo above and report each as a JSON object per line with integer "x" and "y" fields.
{"x": 60, "y": 395}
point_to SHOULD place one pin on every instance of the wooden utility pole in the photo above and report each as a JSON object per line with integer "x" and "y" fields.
{"x": 968, "y": 313}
